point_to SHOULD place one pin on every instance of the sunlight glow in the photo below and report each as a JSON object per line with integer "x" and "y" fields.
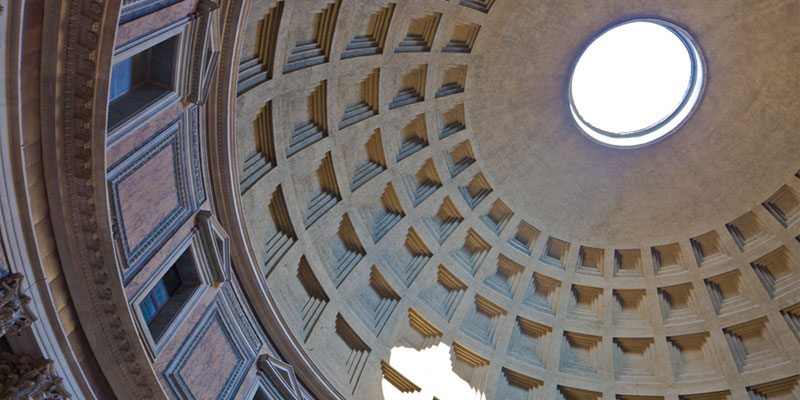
{"x": 636, "y": 83}
{"x": 431, "y": 370}
{"x": 631, "y": 77}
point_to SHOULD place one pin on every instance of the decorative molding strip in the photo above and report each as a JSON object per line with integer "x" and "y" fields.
{"x": 244, "y": 323}
{"x": 132, "y": 9}
{"x": 196, "y": 158}
{"x": 74, "y": 108}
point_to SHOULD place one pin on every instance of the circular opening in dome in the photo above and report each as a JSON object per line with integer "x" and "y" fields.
{"x": 636, "y": 82}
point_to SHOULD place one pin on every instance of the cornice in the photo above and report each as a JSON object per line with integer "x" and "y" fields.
{"x": 74, "y": 103}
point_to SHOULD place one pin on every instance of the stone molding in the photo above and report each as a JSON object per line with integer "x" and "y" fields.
{"x": 74, "y": 106}
{"x": 21, "y": 241}
{"x": 204, "y": 64}
{"x": 281, "y": 375}
{"x": 216, "y": 246}
{"x": 136, "y": 8}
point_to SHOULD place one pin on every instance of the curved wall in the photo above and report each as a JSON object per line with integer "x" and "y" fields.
{"x": 348, "y": 177}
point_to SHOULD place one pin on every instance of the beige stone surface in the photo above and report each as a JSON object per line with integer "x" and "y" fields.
{"x": 737, "y": 149}
{"x": 618, "y": 322}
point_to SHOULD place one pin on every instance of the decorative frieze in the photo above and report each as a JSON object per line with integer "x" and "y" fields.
{"x": 79, "y": 98}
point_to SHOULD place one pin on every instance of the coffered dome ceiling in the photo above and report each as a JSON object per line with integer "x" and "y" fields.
{"x": 439, "y": 192}
{"x": 738, "y": 148}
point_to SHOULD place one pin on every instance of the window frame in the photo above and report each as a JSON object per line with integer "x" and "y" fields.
{"x": 192, "y": 244}
{"x": 152, "y": 295}
{"x": 178, "y": 31}
{"x": 264, "y": 384}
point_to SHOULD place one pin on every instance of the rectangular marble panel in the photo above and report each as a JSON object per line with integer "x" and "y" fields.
{"x": 212, "y": 361}
{"x": 150, "y": 196}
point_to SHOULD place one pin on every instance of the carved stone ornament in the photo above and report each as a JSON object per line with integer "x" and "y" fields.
{"x": 14, "y": 314}
{"x": 23, "y": 378}
{"x": 216, "y": 244}
{"x": 79, "y": 98}
{"x": 281, "y": 375}
{"x": 205, "y": 51}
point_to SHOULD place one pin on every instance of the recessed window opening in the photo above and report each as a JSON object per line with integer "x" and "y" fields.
{"x": 169, "y": 295}
{"x": 260, "y": 394}
{"x": 636, "y": 82}
{"x": 158, "y": 297}
{"x": 140, "y": 80}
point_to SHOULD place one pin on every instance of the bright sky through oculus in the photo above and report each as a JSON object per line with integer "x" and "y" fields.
{"x": 631, "y": 77}
{"x": 431, "y": 370}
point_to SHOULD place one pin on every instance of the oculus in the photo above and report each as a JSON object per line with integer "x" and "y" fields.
{"x": 636, "y": 82}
